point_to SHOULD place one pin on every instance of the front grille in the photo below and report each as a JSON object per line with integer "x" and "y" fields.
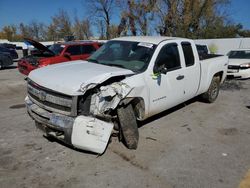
{"x": 51, "y": 100}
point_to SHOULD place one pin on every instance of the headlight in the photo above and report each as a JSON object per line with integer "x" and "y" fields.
{"x": 245, "y": 65}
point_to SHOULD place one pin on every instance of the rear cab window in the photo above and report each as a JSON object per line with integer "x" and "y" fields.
{"x": 188, "y": 53}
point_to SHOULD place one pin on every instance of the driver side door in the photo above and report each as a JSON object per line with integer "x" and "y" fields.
{"x": 166, "y": 87}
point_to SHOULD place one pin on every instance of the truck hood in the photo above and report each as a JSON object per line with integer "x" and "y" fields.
{"x": 238, "y": 61}
{"x": 69, "y": 77}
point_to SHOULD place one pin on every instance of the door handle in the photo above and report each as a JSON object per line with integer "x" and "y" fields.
{"x": 180, "y": 77}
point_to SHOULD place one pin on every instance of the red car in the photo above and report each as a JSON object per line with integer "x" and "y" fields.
{"x": 56, "y": 53}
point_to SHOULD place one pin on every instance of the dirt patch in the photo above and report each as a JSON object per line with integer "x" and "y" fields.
{"x": 6, "y": 160}
{"x": 17, "y": 106}
{"x": 228, "y": 131}
{"x": 131, "y": 160}
{"x": 231, "y": 85}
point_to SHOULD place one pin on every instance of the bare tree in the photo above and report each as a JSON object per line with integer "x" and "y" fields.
{"x": 187, "y": 18}
{"x": 102, "y": 12}
{"x": 113, "y": 31}
{"x": 51, "y": 33}
{"x": 136, "y": 16}
{"x": 9, "y": 33}
{"x": 37, "y": 30}
{"x": 82, "y": 28}
{"x": 24, "y": 30}
{"x": 61, "y": 24}
{"x": 101, "y": 29}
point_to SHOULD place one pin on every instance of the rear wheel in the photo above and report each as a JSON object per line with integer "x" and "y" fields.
{"x": 213, "y": 91}
{"x": 128, "y": 125}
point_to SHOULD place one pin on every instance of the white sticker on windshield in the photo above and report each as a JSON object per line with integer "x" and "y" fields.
{"x": 62, "y": 46}
{"x": 144, "y": 44}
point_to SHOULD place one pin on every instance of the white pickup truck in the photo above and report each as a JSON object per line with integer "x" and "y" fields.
{"x": 127, "y": 80}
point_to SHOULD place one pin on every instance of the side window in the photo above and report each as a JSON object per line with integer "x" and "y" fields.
{"x": 88, "y": 49}
{"x": 74, "y": 50}
{"x": 169, "y": 57}
{"x": 188, "y": 53}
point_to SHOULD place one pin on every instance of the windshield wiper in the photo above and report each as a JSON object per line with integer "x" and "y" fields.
{"x": 115, "y": 65}
{"x": 93, "y": 60}
{"x": 108, "y": 64}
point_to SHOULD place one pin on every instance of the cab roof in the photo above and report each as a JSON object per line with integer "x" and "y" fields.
{"x": 148, "y": 39}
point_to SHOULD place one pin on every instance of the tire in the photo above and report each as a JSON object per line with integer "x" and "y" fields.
{"x": 213, "y": 91}
{"x": 128, "y": 126}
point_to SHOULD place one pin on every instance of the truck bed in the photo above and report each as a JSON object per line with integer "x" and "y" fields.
{"x": 208, "y": 56}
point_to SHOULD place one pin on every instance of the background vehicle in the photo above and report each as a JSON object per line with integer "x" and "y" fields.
{"x": 56, "y": 53}
{"x": 7, "y": 45}
{"x": 12, "y": 52}
{"x": 239, "y": 64}
{"x": 5, "y": 60}
{"x": 128, "y": 79}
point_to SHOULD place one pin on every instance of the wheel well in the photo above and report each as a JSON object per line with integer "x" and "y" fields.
{"x": 219, "y": 74}
{"x": 138, "y": 106}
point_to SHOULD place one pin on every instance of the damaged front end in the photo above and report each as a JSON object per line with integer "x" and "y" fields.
{"x": 86, "y": 122}
{"x": 108, "y": 98}
{"x": 98, "y": 114}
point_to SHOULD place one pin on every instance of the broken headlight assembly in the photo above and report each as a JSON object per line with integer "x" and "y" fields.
{"x": 245, "y": 66}
{"x": 83, "y": 106}
{"x": 84, "y": 87}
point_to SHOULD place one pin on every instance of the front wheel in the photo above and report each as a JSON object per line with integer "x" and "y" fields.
{"x": 213, "y": 91}
{"x": 128, "y": 125}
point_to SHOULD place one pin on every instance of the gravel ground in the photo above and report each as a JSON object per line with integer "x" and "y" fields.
{"x": 194, "y": 145}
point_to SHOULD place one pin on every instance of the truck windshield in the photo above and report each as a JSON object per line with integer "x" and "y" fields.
{"x": 56, "y": 48}
{"x": 241, "y": 54}
{"x": 134, "y": 56}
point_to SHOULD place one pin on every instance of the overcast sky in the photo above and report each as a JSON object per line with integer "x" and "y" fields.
{"x": 17, "y": 11}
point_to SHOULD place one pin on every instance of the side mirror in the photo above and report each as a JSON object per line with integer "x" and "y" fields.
{"x": 67, "y": 55}
{"x": 160, "y": 69}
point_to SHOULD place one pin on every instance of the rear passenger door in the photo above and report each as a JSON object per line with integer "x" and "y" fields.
{"x": 191, "y": 69}
{"x": 87, "y": 50}
{"x": 74, "y": 51}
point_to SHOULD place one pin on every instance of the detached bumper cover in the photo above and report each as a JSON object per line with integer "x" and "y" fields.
{"x": 83, "y": 132}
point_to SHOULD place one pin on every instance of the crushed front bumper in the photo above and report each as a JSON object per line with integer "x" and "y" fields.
{"x": 83, "y": 132}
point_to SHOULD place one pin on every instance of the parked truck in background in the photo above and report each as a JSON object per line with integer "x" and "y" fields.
{"x": 239, "y": 64}
{"x": 127, "y": 80}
